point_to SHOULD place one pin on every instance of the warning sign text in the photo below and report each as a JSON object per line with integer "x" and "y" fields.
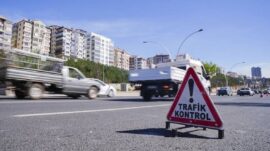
{"x": 192, "y": 111}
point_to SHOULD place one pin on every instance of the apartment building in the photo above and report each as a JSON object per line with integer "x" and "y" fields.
{"x": 78, "y": 43}
{"x": 61, "y": 41}
{"x": 41, "y": 38}
{"x": 121, "y": 59}
{"x": 22, "y": 35}
{"x": 100, "y": 49}
{"x": 161, "y": 58}
{"x": 68, "y": 42}
{"x": 150, "y": 62}
{"x": 5, "y": 33}
{"x": 232, "y": 74}
{"x": 256, "y": 73}
{"x": 137, "y": 63}
{"x": 31, "y": 36}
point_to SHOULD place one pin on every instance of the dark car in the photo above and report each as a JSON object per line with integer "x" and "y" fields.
{"x": 225, "y": 91}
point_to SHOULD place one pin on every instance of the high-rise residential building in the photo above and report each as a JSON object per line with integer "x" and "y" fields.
{"x": 100, "y": 49}
{"x": 22, "y": 35}
{"x": 161, "y": 58}
{"x": 121, "y": 59}
{"x": 136, "y": 62}
{"x": 150, "y": 62}
{"x": 183, "y": 57}
{"x": 61, "y": 41}
{"x": 41, "y": 38}
{"x": 32, "y": 36}
{"x": 232, "y": 74}
{"x": 78, "y": 43}
{"x": 256, "y": 73}
{"x": 5, "y": 33}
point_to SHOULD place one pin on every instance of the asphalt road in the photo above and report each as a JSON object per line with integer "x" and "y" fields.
{"x": 127, "y": 123}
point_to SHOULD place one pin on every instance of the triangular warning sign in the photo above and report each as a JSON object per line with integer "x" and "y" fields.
{"x": 192, "y": 104}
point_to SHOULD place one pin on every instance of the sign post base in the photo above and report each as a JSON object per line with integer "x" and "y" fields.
{"x": 174, "y": 131}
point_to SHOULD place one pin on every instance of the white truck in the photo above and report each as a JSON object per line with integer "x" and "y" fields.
{"x": 32, "y": 74}
{"x": 166, "y": 78}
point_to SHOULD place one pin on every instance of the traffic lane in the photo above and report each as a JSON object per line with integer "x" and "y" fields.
{"x": 11, "y": 107}
{"x": 74, "y": 130}
{"x": 140, "y": 129}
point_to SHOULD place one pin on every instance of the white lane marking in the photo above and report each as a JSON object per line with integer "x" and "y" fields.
{"x": 41, "y": 101}
{"x": 89, "y": 111}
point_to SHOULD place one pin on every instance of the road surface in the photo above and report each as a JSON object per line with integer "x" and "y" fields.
{"x": 127, "y": 123}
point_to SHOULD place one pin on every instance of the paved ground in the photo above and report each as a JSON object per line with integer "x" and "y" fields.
{"x": 127, "y": 123}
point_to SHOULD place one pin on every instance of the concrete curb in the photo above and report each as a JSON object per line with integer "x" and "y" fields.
{"x": 128, "y": 93}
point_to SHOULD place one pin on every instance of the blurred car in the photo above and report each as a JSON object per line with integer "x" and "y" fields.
{"x": 256, "y": 91}
{"x": 224, "y": 91}
{"x": 245, "y": 91}
{"x": 266, "y": 91}
{"x": 105, "y": 89}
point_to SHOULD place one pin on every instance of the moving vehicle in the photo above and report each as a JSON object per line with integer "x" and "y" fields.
{"x": 224, "y": 91}
{"x": 166, "y": 78}
{"x": 105, "y": 89}
{"x": 245, "y": 91}
{"x": 31, "y": 74}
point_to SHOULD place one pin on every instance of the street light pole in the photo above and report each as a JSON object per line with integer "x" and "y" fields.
{"x": 161, "y": 45}
{"x": 182, "y": 43}
{"x": 226, "y": 78}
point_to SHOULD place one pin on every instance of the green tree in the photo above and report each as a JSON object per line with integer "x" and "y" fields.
{"x": 211, "y": 68}
{"x": 96, "y": 70}
{"x": 218, "y": 80}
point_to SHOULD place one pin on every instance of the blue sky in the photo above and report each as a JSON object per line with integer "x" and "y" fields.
{"x": 234, "y": 31}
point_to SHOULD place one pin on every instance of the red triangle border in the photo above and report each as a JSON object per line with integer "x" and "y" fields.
{"x": 217, "y": 123}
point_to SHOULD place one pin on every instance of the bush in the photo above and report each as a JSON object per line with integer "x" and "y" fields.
{"x": 95, "y": 70}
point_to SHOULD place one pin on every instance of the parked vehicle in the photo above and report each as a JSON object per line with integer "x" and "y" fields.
{"x": 105, "y": 89}
{"x": 32, "y": 74}
{"x": 224, "y": 91}
{"x": 245, "y": 91}
{"x": 256, "y": 91}
{"x": 266, "y": 91}
{"x": 2, "y": 88}
{"x": 165, "y": 79}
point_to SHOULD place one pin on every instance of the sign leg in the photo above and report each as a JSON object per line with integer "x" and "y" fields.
{"x": 220, "y": 134}
{"x": 167, "y": 125}
{"x": 174, "y": 133}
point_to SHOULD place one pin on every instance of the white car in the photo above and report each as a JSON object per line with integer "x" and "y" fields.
{"x": 245, "y": 91}
{"x": 105, "y": 89}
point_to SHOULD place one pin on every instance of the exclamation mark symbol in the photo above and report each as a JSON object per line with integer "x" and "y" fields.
{"x": 191, "y": 85}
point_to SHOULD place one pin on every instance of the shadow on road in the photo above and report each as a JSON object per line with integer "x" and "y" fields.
{"x": 166, "y": 133}
{"x": 244, "y": 104}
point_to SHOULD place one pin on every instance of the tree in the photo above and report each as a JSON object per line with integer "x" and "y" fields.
{"x": 96, "y": 70}
{"x": 218, "y": 80}
{"x": 211, "y": 68}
